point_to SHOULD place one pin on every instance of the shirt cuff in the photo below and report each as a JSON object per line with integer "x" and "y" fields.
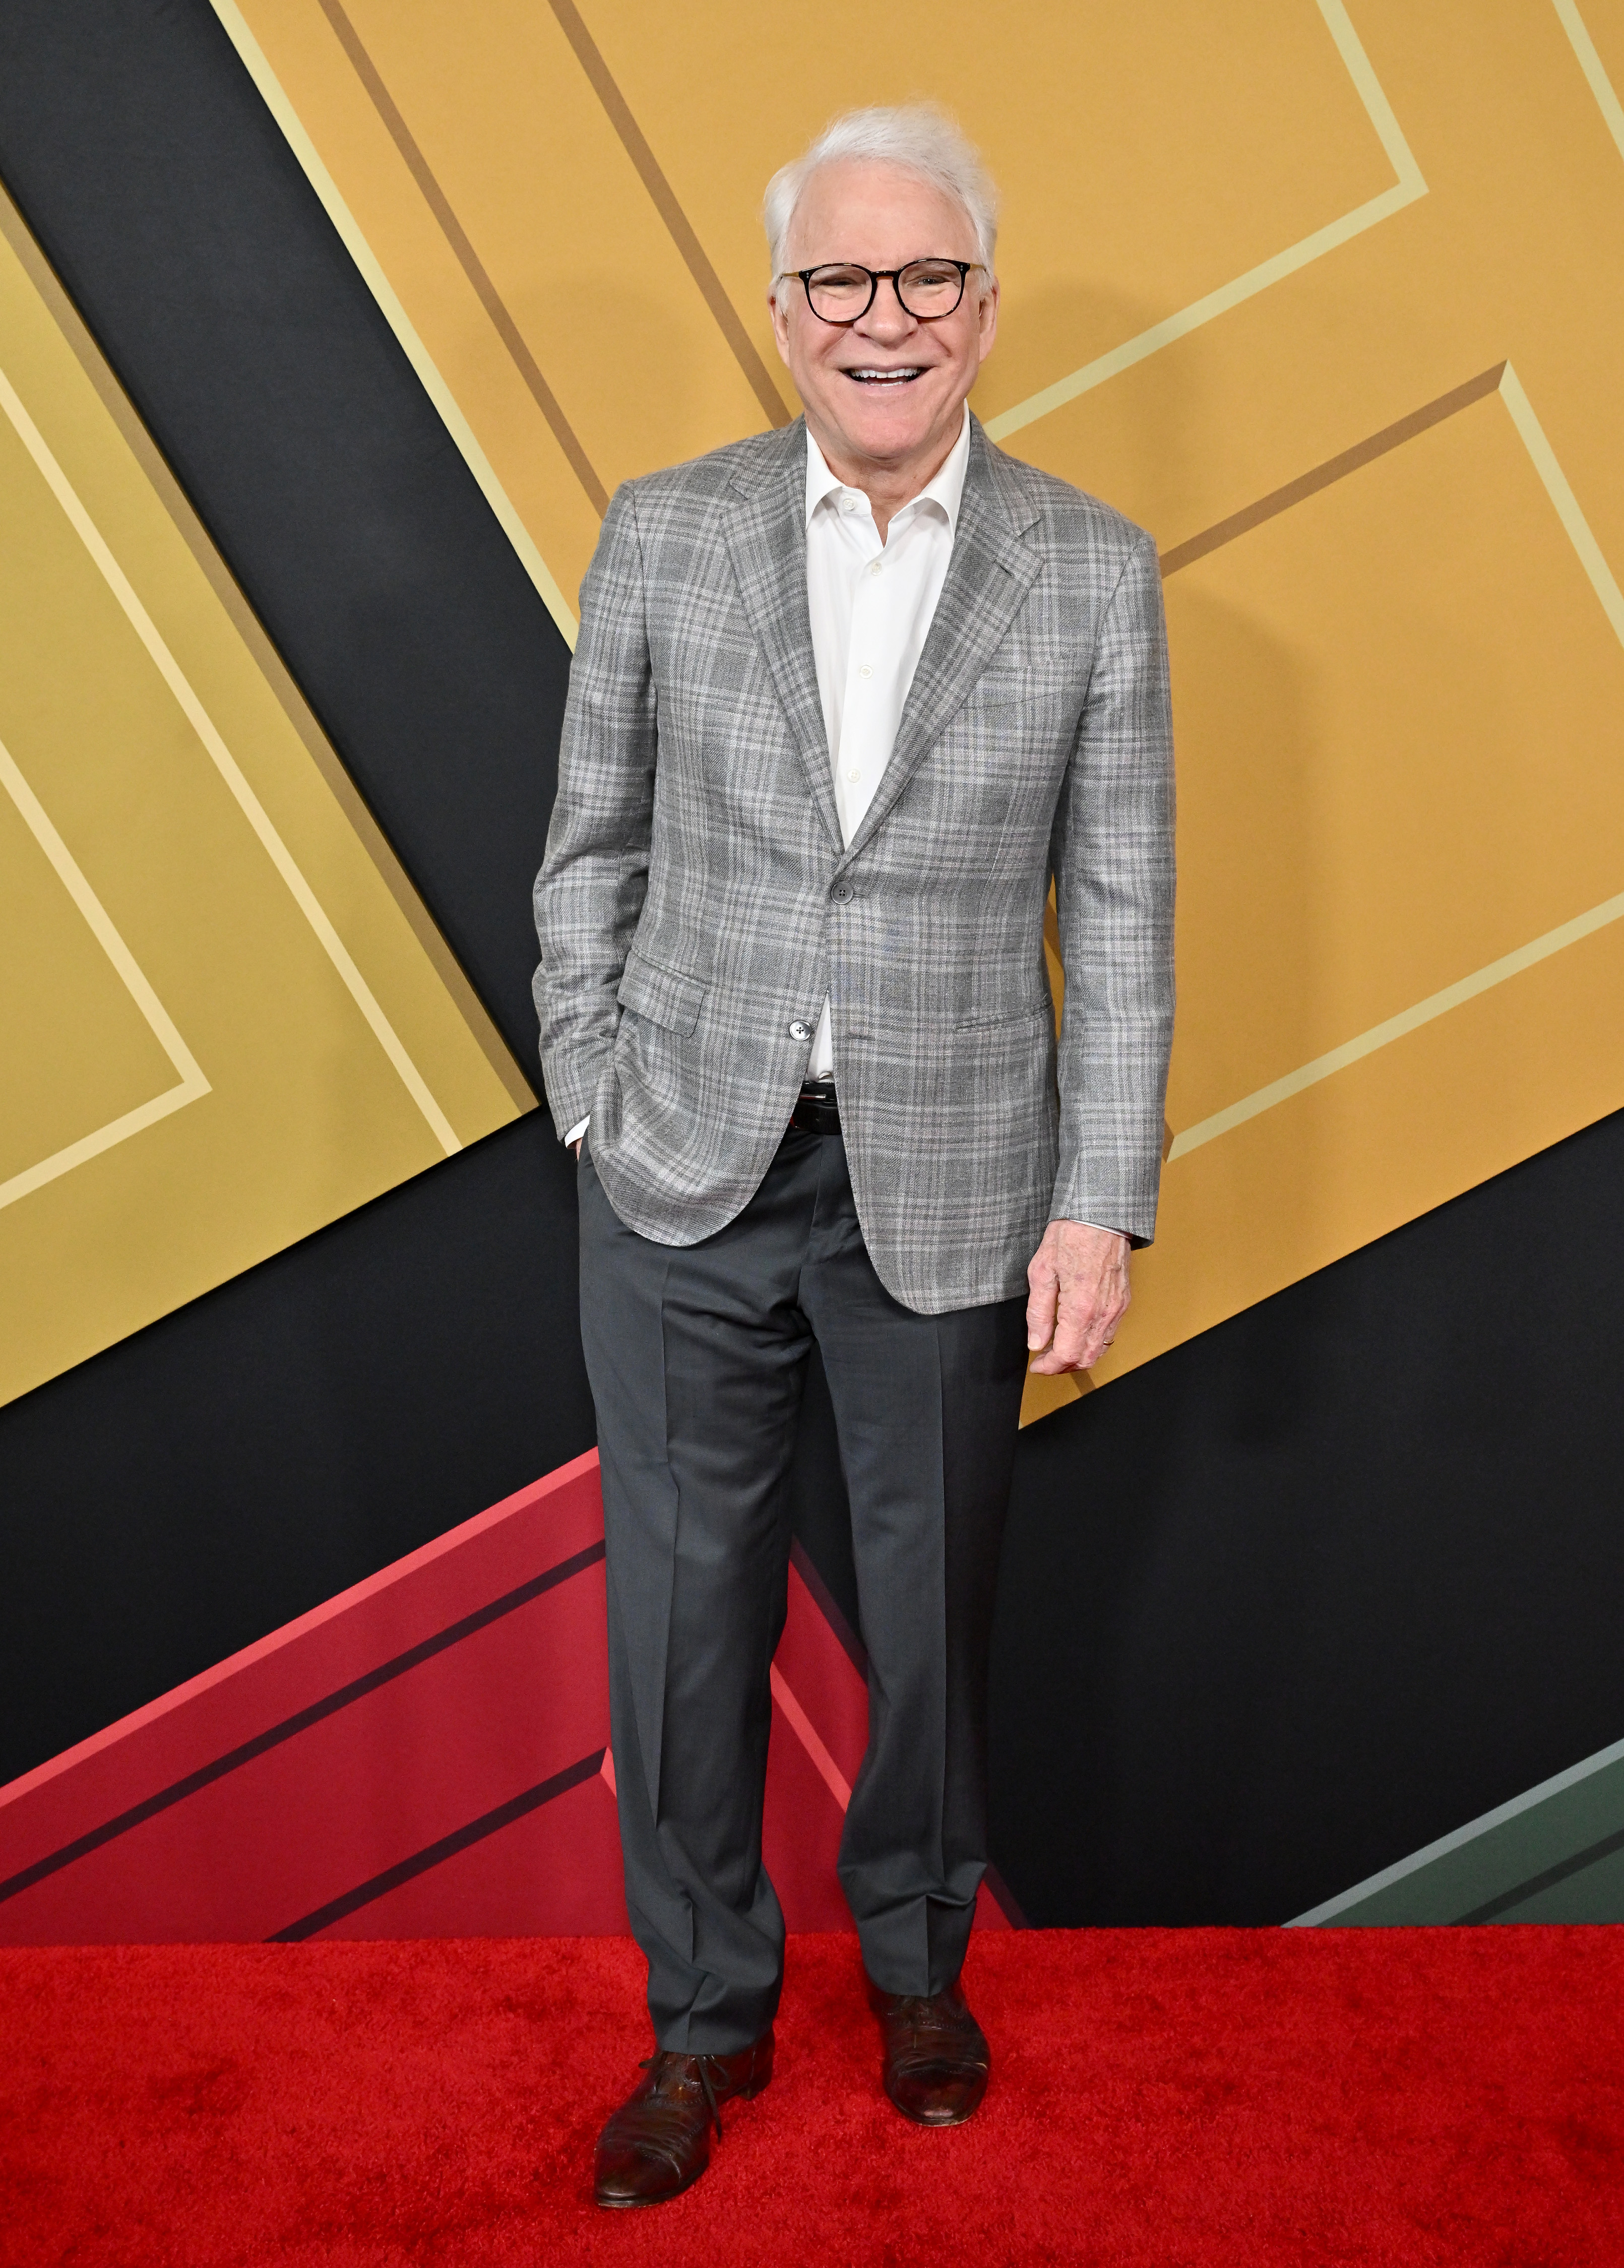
{"x": 576, "y": 1131}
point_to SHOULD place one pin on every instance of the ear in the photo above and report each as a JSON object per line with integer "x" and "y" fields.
{"x": 988, "y": 317}
{"x": 777, "y": 296}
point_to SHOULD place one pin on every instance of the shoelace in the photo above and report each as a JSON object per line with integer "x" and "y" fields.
{"x": 667, "y": 2057}
{"x": 922, "y": 2015}
{"x": 932, "y": 2033}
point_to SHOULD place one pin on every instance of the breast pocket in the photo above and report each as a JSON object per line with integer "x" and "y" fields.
{"x": 665, "y": 997}
{"x": 1019, "y": 697}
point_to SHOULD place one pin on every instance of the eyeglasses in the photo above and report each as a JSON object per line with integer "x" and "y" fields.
{"x": 843, "y": 293}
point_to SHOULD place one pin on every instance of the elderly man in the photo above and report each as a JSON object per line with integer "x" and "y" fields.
{"x": 848, "y": 697}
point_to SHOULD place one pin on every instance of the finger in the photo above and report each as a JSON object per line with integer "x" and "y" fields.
{"x": 1042, "y": 1310}
{"x": 1103, "y": 1336}
{"x": 1086, "y": 1326}
{"x": 1077, "y": 1326}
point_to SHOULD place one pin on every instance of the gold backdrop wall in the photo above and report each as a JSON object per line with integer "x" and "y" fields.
{"x": 1326, "y": 297}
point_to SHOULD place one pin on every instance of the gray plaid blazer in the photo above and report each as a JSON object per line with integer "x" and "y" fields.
{"x": 696, "y": 903}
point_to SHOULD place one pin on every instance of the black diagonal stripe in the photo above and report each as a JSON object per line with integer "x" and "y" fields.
{"x": 489, "y": 1822}
{"x": 1552, "y": 1875}
{"x": 424, "y": 1651}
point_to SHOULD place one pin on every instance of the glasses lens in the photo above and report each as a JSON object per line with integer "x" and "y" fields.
{"x": 840, "y": 295}
{"x": 930, "y": 287}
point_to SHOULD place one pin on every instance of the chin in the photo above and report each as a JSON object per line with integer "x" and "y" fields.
{"x": 888, "y": 426}
{"x": 890, "y": 436}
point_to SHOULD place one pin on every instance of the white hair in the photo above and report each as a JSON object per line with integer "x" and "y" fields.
{"x": 915, "y": 137}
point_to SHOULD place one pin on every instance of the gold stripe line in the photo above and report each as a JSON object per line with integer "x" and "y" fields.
{"x": 634, "y": 142}
{"x": 1379, "y": 111}
{"x": 227, "y": 765}
{"x": 1334, "y": 468}
{"x": 457, "y": 236}
{"x": 193, "y": 1085}
{"x": 1380, "y": 1035}
{"x": 1577, "y": 528}
{"x": 1409, "y": 186}
{"x": 1590, "y": 65}
{"x": 94, "y": 1146}
{"x": 1603, "y": 582}
{"x": 275, "y": 101}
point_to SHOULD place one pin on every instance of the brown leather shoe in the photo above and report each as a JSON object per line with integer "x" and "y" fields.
{"x": 937, "y": 2061}
{"x": 658, "y": 2143}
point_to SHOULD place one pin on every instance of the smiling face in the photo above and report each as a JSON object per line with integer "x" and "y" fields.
{"x": 884, "y": 398}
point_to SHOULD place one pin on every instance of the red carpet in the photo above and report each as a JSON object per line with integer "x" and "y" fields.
{"x": 1447, "y": 2096}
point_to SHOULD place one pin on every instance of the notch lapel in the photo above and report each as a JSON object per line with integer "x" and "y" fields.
{"x": 988, "y": 577}
{"x": 766, "y": 537}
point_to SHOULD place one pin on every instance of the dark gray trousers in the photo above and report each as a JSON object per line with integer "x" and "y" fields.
{"x": 697, "y": 1356}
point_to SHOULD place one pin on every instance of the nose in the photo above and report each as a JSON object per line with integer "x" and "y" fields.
{"x": 887, "y": 319}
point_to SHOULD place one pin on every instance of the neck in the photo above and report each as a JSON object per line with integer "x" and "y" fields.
{"x": 888, "y": 486}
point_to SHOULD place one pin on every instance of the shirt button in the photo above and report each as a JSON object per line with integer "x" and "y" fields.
{"x": 800, "y": 1031}
{"x": 865, "y": 671}
{"x": 854, "y": 774}
{"x": 873, "y": 566}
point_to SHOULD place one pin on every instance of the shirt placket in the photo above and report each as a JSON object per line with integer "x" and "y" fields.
{"x": 863, "y": 706}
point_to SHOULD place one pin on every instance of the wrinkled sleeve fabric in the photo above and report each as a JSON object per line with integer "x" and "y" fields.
{"x": 1112, "y": 857}
{"x": 589, "y": 893}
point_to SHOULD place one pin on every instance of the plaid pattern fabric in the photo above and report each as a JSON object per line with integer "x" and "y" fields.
{"x": 696, "y": 903}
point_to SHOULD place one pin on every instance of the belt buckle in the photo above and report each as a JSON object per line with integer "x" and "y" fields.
{"x": 815, "y": 1112}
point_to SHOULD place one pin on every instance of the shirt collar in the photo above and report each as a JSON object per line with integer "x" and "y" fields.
{"x": 946, "y": 489}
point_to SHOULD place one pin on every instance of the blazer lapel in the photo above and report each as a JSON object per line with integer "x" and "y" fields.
{"x": 766, "y": 535}
{"x": 988, "y": 577}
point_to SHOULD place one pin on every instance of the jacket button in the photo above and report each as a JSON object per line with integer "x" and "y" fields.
{"x": 843, "y": 891}
{"x": 800, "y": 1031}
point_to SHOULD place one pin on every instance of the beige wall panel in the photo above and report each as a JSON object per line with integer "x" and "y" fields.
{"x": 535, "y": 172}
{"x": 1349, "y": 1160}
{"x": 1516, "y": 248}
{"x": 1389, "y": 723}
{"x": 335, "y": 1052}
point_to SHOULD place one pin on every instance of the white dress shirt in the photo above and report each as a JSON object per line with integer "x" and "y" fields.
{"x": 872, "y": 605}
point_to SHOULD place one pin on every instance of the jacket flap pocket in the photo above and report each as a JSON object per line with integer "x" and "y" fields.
{"x": 1042, "y": 693}
{"x": 663, "y": 995}
{"x": 993, "y": 1020}
{"x": 999, "y": 689}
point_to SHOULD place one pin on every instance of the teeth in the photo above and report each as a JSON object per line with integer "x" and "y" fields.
{"x": 883, "y": 375}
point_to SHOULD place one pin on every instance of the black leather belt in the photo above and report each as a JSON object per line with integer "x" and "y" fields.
{"x": 816, "y": 1110}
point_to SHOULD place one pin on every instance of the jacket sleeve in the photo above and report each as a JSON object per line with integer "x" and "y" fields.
{"x": 1112, "y": 857}
{"x": 590, "y": 891}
